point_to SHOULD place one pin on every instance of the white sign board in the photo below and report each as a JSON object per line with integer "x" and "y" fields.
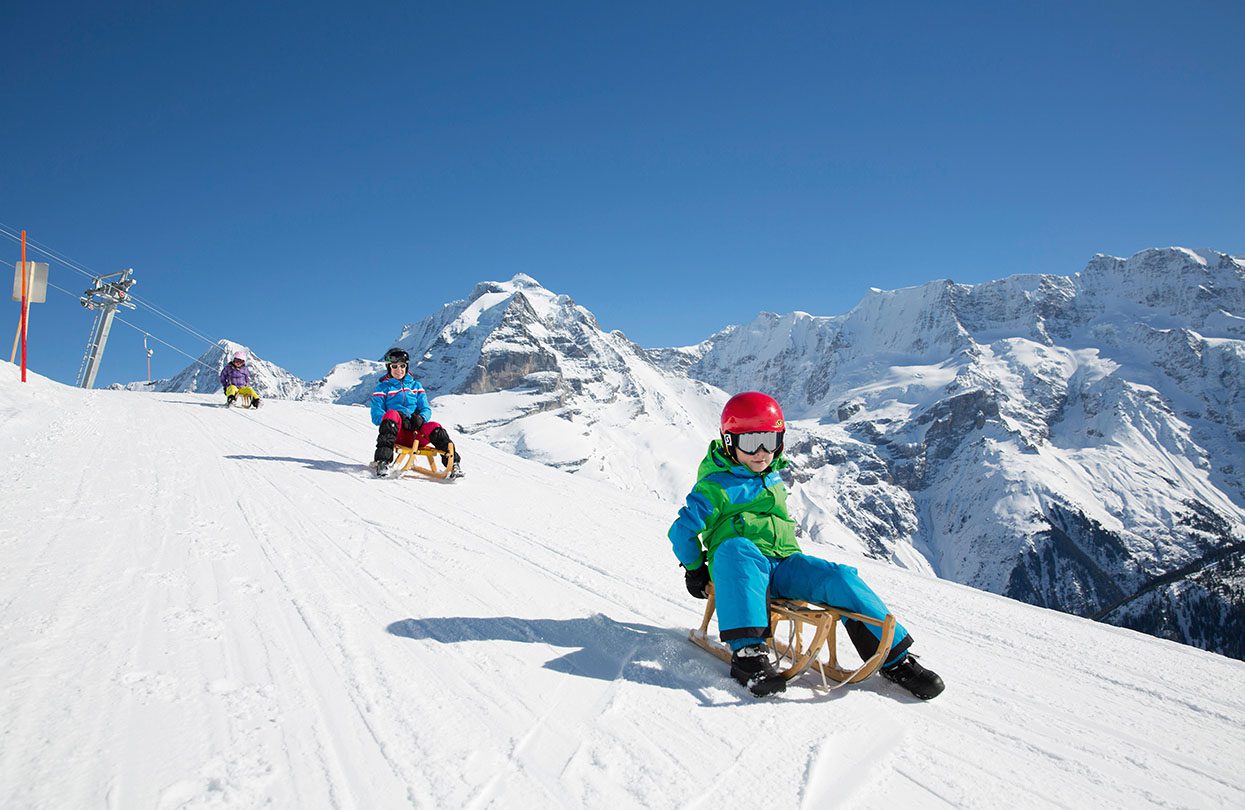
{"x": 36, "y": 280}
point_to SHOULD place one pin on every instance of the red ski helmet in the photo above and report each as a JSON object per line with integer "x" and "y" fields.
{"x": 752, "y": 412}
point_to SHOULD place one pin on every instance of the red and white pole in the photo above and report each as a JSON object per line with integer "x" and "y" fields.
{"x": 25, "y": 303}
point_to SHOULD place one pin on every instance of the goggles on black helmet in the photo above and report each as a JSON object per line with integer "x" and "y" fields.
{"x": 397, "y": 356}
{"x": 769, "y": 441}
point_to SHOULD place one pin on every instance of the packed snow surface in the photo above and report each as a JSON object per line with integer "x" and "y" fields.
{"x": 210, "y": 607}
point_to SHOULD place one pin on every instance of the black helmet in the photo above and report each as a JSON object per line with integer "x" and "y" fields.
{"x": 396, "y": 355}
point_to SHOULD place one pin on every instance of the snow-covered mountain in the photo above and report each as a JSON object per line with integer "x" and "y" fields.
{"x": 218, "y": 608}
{"x": 532, "y": 372}
{"x": 1071, "y": 441}
{"x": 349, "y": 382}
{"x": 203, "y": 375}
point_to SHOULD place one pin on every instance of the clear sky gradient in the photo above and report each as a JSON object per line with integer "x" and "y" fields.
{"x": 305, "y": 178}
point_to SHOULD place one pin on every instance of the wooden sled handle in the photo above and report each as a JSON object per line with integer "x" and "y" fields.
{"x": 406, "y": 459}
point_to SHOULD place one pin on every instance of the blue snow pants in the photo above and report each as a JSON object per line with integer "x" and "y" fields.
{"x": 744, "y": 579}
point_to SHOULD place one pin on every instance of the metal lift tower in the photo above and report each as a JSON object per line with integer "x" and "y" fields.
{"x": 104, "y": 298}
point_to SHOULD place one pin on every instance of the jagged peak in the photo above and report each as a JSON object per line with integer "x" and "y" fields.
{"x": 225, "y": 348}
{"x": 519, "y": 282}
{"x": 1203, "y": 257}
{"x": 766, "y": 318}
{"x": 1178, "y": 275}
{"x": 522, "y": 280}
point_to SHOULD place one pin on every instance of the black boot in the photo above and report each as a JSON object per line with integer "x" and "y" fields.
{"x": 229, "y": 399}
{"x": 918, "y": 680}
{"x": 751, "y": 666}
{"x": 384, "y": 446}
{"x": 440, "y": 439}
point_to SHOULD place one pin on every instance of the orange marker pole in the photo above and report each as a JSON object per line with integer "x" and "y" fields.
{"x": 25, "y": 305}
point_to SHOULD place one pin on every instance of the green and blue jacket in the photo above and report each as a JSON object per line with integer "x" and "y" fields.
{"x": 730, "y": 500}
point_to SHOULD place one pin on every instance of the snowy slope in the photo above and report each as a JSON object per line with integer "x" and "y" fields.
{"x": 202, "y": 607}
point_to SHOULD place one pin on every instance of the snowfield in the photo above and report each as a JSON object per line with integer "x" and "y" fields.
{"x": 209, "y": 607}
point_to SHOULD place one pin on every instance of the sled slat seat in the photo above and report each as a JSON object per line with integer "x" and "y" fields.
{"x": 812, "y": 628}
{"x": 406, "y": 460}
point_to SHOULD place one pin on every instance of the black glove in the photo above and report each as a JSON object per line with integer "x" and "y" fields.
{"x": 697, "y": 581}
{"x": 413, "y": 422}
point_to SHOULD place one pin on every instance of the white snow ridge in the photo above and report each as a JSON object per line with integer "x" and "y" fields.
{"x": 208, "y": 607}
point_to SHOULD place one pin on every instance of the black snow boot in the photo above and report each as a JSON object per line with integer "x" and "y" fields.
{"x": 384, "y": 441}
{"x": 229, "y": 399}
{"x": 751, "y": 666}
{"x": 382, "y": 468}
{"x": 918, "y": 680}
{"x": 255, "y": 403}
{"x": 457, "y": 472}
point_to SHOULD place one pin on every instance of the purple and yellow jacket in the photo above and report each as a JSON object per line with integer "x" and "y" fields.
{"x": 240, "y": 377}
{"x": 406, "y": 396}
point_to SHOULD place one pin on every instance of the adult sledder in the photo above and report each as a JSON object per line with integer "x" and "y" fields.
{"x": 400, "y": 409}
{"x": 235, "y": 378}
{"x": 735, "y": 531}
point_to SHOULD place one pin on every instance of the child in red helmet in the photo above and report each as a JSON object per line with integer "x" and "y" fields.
{"x": 735, "y": 529}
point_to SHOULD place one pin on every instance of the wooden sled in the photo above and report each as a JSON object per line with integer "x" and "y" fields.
{"x": 811, "y": 627}
{"x": 241, "y": 400}
{"x": 406, "y": 461}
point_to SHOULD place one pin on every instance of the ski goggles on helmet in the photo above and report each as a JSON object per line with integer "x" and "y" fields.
{"x": 769, "y": 441}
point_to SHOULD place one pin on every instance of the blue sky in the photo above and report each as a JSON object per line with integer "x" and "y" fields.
{"x": 305, "y": 178}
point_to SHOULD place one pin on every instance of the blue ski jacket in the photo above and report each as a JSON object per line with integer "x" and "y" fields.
{"x": 406, "y": 396}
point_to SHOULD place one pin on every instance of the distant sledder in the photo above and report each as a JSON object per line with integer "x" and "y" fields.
{"x": 735, "y": 529}
{"x": 235, "y": 378}
{"x": 400, "y": 409}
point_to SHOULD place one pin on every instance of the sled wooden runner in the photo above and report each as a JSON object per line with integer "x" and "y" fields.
{"x": 812, "y": 628}
{"x": 407, "y": 460}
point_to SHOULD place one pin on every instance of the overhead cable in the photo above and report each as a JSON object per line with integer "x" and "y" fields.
{"x": 9, "y": 232}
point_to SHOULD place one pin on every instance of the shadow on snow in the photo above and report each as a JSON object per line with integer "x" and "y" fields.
{"x": 310, "y": 463}
{"x": 604, "y": 649}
